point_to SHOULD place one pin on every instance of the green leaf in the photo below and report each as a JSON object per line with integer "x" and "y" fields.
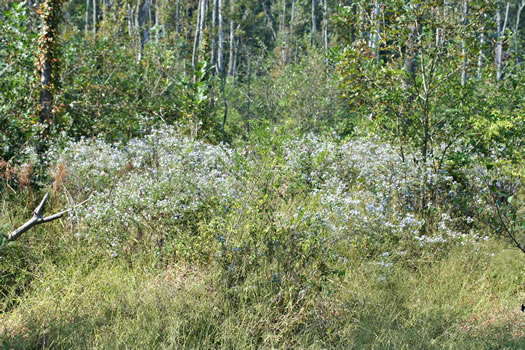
{"x": 3, "y": 239}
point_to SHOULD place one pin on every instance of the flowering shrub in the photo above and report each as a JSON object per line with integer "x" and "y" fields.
{"x": 192, "y": 199}
{"x": 366, "y": 190}
{"x": 149, "y": 187}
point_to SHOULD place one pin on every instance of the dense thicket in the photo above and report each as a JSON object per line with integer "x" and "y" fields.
{"x": 403, "y": 64}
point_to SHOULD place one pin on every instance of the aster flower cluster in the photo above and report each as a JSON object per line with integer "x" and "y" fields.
{"x": 365, "y": 188}
{"x": 166, "y": 183}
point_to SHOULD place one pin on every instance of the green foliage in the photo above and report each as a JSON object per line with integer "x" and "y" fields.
{"x": 301, "y": 97}
{"x": 106, "y": 91}
{"x": 17, "y": 81}
{"x": 195, "y": 103}
{"x": 80, "y": 299}
{"x": 372, "y": 228}
{"x": 423, "y": 90}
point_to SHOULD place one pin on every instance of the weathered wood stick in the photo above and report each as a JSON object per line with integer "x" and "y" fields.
{"x": 35, "y": 220}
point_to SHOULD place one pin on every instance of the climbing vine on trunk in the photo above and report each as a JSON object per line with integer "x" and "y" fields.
{"x": 47, "y": 65}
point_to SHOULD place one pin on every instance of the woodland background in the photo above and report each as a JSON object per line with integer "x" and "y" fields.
{"x": 263, "y": 174}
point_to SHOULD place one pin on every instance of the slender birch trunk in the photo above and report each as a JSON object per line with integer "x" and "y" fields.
{"x": 141, "y": 32}
{"x": 282, "y": 30}
{"x": 325, "y": 25}
{"x": 86, "y": 28}
{"x": 376, "y": 35}
{"x": 499, "y": 43}
{"x": 481, "y": 55}
{"x": 196, "y": 41}
{"x": 464, "y": 46}
{"x": 292, "y": 28}
{"x": 158, "y": 8}
{"x": 94, "y": 17}
{"x": 131, "y": 16}
{"x": 231, "y": 60}
{"x": 516, "y": 30}
{"x": 249, "y": 100}
{"x": 314, "y": 22}
{"x": 204, "y": 10}
{"x": 214, "y": 26}
{"x": 220, "y": 50}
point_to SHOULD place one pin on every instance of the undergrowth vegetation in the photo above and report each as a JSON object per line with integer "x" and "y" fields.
{"x": 262, "y": 174}
{"x": 286, "y": 242}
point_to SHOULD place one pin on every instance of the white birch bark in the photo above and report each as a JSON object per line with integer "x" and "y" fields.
{"x": 220, "y": 49}
{"x": 292, "y": 28}
{"x": 196, "y": 39}
{"x": 86, "y": 28}
{"x": 284, "y": 38}
{"x": 214, "y": 27}
{"x": 499, "y": 43}
{"x": 131, "y": 16}
{"x": 314, "y": 22}
{"x": 94, "y": 17}
{"x": 231, "y": 60}
{"x": 157, "y": 20}
{"x": 516, "y": 29}
{"x": 325, "y": 24}
{"x": 376, "y": 34}
{"x": 464, "y": 46}
{"x": 481, "y": 55}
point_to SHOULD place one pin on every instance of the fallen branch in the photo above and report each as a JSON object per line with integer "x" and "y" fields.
{"x": 37, "y": 219}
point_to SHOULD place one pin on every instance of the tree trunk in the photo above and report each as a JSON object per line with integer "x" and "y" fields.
{"x": 196, "y": 41}
{"x": 376, "y": 35}
{"x": 225, "y": 115}
{"x": 499, "y": 43}
{"x": 157, "y": 21}
{"x": 214, "y": 42}
{"x": 410, "y": 58}
{"x": 284, "y": 38}
{"x": 139, "y": 17}
{"x": 147, "y": 20}
{"x": 231, "y": 60}
{"x": 292, "y": 28}
{"x": 249, "y": 97}
{"x": 94, "y": 17}
{"x": 204, "y": 10}
{"x": 516, "y": 30}
{"x": 314, "y": 22}
{"x": 177, "y": 17}
{"x": 47, "y": 65}
{"x": 481, "y": 55}
{"x": 464, "y": 46}
{"x": 325, "y": 24}
{"x": 221, "y": 39}
{"x": 131, "y": 16}
{"x": 86, "y": 28}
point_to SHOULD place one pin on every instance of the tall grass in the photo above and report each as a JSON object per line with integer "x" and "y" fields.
{"x": 469, "y": 299}
{"x": 289, "y": 243}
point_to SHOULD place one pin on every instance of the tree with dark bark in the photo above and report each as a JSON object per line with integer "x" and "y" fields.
{"x": 48, "y": 64}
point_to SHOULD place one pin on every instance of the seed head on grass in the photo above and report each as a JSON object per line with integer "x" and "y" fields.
{"x": 60, "y": 176}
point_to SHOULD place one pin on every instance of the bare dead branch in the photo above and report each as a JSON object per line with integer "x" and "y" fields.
{"x": 35, "y": 220}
